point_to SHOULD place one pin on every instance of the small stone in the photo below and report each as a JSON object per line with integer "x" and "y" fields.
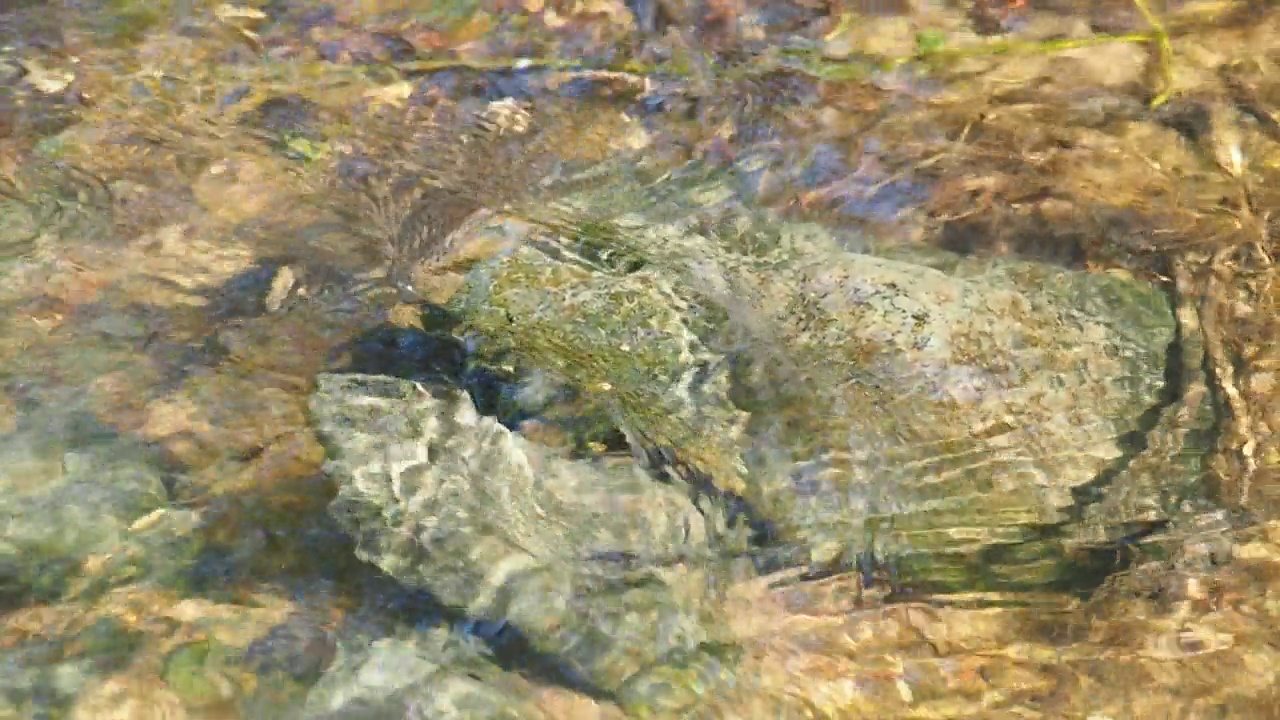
{"x": 281, "y": 285}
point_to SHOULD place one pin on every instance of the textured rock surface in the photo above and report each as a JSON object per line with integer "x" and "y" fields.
{"x": 589, "y": 561}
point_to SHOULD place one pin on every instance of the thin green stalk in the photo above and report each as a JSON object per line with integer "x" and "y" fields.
{"x": 1164, "y": 49}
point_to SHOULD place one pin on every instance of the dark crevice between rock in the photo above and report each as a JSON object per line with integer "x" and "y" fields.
{"x": 405, "y": 353}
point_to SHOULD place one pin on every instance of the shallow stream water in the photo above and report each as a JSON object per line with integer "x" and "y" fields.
{"x": 176, "y": 268}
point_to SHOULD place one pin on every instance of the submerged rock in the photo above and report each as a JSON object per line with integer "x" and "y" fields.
{"x": 69, "y": 495}
{"x": 963, "y": 417}
{"x": 598, "y": 565}
{"x": 974, "y": 422}
{"x": 47, "y": 199}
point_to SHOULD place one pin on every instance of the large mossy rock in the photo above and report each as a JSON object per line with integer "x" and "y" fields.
{"x": 975, "y": 420}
